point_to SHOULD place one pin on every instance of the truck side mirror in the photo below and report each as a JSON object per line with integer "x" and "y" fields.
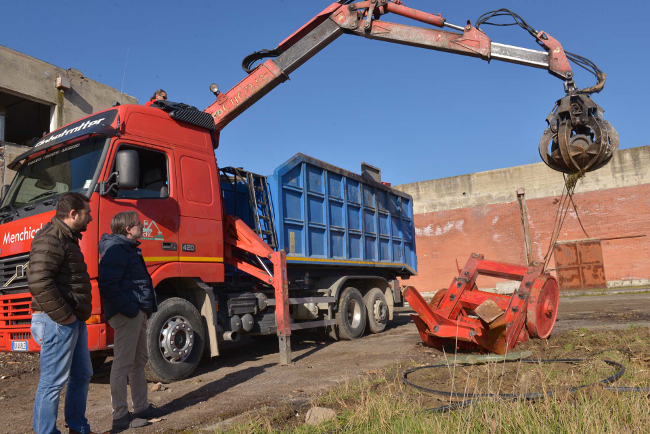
{"x": 128, "y": 169}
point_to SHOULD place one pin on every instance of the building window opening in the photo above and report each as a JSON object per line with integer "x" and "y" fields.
{"x": 23, "y": 121}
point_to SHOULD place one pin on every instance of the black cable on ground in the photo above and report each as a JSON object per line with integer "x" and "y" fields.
{"x": 531, "y": 396}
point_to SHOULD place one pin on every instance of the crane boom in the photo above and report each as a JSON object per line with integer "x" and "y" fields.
{"x": 558, "y": 150}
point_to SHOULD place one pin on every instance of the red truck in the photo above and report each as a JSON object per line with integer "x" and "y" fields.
{"x": 215, "y": 274}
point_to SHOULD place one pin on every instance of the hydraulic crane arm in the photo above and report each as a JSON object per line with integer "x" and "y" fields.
{"x": 558, "y": 150}
{"x": 356, "y": 19}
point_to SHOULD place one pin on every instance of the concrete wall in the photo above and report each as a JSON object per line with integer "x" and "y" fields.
{"x": 457, "y": 216}
{"x": 8, "y": 152}
{"x": 34, "y": 79}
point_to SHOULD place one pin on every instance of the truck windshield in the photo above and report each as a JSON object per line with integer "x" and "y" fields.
{"x": 68, "y": 168}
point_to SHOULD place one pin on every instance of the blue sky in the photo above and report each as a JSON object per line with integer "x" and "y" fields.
{"x": 417, "y": 114}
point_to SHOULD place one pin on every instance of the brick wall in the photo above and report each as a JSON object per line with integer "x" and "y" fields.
{"x": 613, "y": 203}
{"x": 446, "y": 236}
{"x": 496, "y": 231}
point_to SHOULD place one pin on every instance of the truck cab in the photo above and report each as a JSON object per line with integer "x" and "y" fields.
{"x": 177, "y": 195}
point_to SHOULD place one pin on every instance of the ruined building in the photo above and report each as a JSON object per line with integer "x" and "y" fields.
{"x": 37, "y": 97}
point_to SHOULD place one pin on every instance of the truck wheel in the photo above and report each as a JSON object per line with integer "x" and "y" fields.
{"x": 377, "y": 309}
{"x": 351, "y": 316}
{"x": 175, "y": 338}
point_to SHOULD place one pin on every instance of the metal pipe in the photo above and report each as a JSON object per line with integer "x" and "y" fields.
{"x": 231, "y": 336}
{"x": 264, "y": 266}
{"x": 622, "y": 237}
{"x": 523, "y": 210}
{"x": 519, "y": 55}
{"x": 454, "y": 26}
{"x": 414, "y": 14}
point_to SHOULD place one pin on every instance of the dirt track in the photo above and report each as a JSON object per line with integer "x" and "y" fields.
{"x": 247, "y": 375}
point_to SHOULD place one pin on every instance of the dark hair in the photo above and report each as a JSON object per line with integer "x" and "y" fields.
{"x": 123, "y": 220}
{"x": 156, "y": 93}
{"x": 68, "y": 202}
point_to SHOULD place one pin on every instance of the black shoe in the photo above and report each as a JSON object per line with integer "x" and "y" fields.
{"x": 150, "y": 413}
{"x": 129, "y": 421}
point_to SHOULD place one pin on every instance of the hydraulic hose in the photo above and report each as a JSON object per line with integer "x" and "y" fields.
{"x": 522, "y": 357}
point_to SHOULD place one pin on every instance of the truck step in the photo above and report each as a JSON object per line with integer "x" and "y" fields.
{"x": 307, "y": 325}
{"x": 302, "y": 300}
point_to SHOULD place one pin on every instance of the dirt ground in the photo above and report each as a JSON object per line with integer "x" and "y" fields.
{"x": 247, "y": 374}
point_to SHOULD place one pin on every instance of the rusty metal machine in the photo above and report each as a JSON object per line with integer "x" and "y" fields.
{"x": 465, "y": 317}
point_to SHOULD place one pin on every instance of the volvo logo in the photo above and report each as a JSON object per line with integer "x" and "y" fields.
{"x": 21, "y": 271}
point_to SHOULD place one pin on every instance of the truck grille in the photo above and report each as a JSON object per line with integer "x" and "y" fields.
{"x": 13, "y": 274}
{"x": 21, "y": 336}
{"x": 15, "y": 311}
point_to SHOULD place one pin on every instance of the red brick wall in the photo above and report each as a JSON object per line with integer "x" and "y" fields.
{"x": 496, "y": 231}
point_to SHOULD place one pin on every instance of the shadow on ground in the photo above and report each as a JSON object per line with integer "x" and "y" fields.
{"x": 232, "y": 354}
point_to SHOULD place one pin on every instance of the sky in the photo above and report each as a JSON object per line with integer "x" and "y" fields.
{"x": 416, "y": 114}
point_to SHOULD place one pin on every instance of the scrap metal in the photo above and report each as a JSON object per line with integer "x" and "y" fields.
{"x": 465, "y": 317}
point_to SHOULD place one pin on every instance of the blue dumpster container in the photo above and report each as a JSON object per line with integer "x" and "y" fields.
{"x": 326, "y": 215}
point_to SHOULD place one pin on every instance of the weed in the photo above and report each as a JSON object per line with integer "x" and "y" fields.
{"x": 381, "y": 403}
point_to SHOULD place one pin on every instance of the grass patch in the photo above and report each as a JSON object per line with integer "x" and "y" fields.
{"x": 381, "y": 403}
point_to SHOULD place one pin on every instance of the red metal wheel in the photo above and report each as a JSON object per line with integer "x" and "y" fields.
{"x": 542, "y": 309}
{"x": 437, "y": 298}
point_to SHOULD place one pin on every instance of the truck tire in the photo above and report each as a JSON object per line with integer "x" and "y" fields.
{"x": 175, "y": 338}
{"x": 351, "y": 315}
{"x": 377, "y": 309}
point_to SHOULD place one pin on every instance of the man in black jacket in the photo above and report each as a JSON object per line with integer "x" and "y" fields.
{"x": 128, "y": 295}
{"x": 62, "y": 302}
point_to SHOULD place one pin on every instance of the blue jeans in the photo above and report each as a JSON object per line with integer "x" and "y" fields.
{"x": 64, "y": 359}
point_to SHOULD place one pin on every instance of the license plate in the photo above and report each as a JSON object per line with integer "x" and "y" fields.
{"x": 19, "y": 346}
